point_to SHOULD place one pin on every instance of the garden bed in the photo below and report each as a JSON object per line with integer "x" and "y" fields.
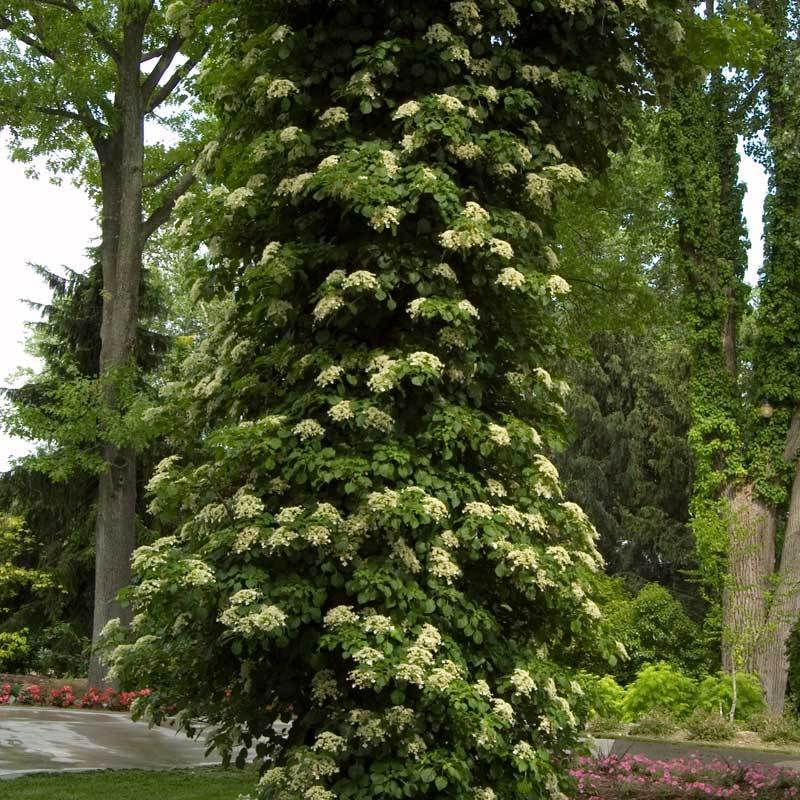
{"x": 34, "y": 690}
{"x": 640, "y": 778}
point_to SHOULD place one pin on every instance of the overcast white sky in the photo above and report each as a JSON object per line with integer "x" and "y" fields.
{"x": 52, "y": 225}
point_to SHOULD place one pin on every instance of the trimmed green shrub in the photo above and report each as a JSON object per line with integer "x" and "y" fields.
{"x": 657, "y": 723}
{"x": 710, "y": 726}
{"x": 715, "y": 694}
{"x": 660, "y": 686}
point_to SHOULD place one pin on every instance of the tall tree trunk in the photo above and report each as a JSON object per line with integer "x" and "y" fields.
{"x": 751, "y": 561}
{"x": 773, "y": 667}
{"x": 115, "y": 536}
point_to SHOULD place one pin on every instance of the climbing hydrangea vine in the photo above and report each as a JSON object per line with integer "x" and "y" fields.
{"x": 370, "y": 543}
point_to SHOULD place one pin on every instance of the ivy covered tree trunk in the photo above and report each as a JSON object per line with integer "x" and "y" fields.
{"x": 370, "y": 541}
{"x": 746, "y": 503}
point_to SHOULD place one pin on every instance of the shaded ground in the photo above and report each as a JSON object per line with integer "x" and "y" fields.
{"x": 49, "y": 739}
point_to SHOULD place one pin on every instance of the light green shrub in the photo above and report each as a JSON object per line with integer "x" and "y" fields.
{"x": 606, "y": 697}
{"x": 14, "y": 648}
{"x": 715, "y": 694}
{"x": 660, "y": 686}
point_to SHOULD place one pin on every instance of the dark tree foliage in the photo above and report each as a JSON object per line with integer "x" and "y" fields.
{"x": 61, "y": 514}
{"x": 629, "y": 462}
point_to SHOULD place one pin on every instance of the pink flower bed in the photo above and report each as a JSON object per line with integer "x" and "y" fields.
{"x": 33, "y": 695}
{"x": 640, "y": 778}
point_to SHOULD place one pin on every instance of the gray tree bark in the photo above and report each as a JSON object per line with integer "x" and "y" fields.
{"x": 123, "y": 242}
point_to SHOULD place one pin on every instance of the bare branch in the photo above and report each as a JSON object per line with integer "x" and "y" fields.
{"x": 171, "y": 49}
{"x": 7, "y": 24}
{"x": 161, "y": 214}
{"x": 103, "y": 41}
{"x": 164, "y": 176}
{"x": 163, "y": 92}
{"x": 65, "y": 113}
{"x": 151, "y": 54}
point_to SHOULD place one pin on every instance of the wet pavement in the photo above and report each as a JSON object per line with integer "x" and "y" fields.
{"x": 52, "y": 740}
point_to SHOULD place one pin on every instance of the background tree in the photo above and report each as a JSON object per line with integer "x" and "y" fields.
{"x": 79, "y": 81}
{"x": 368, "y": 536}
{"x": 746, "y": 499}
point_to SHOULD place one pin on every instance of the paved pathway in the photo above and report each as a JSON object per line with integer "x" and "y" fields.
{"x": 665, "y": 751}
{"x": 52, "y": 740}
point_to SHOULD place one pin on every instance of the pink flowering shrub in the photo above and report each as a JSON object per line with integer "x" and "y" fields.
{"x": 31, "y": 695}
{"x": 108, "y": 698}
{"x": 640, "y": 778}
{"x": 63, "y": 697}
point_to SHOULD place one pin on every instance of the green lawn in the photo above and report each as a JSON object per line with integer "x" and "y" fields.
{"x": 198, "y": 784}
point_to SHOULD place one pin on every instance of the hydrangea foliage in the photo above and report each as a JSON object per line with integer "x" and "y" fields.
{"x": 370, "y": 542}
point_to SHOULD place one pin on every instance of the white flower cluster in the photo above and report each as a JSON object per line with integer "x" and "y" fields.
{"x": 495, "y": 488}
{"x": 385, "y": 217}
{"x": 327, "y": 162}
{"x": 475, "y": 212}
{"x": 337, "y": 115}
{"x": 546, "y": 467}
{"x": 416, "y": 306}
{"x": 327, "y": 305}
{"x": 340, "y": 615}
{"x": 288, "y": 514}
{"x": 362, "y": 280}
{"x": 246, "y": 505}
{"x": 425, "y": 361}
{"x": 464, "y": 238}
{"x": 445, "y": 271}
{"x": 378, "y": 624}
{"x": 522, "y": 682}
{"x": 329, "y": 375}
{"x": 239, "y": 198}
{"x": 323, "y": 687}
{"x": 477, "y": 509}
{"x": 438, "y": 34}
{"x": 499, "y": 434}
{"x": 449, "y": 103}
{"x": 501, "y": 248}
{"x": 467, "y": 151}
{"x": 294, "y": 185}
{"x": 266, "y": 619}
{"x": 288, "y": 134}
{"x": 406, "y": 556}
{"x": 559, "y": 555}
{"x": 467, "y": 15}
{"x": 441, "y": 565}
{"x": 557, "y": 285}
{"x": 503, "y": 709}
{"x": 379, "y": 420}
{"x": 308, "y": 429}
{"x": 468, "y": 309}
{"x": 409, "y": 109}
{"x": 389, "y": 160}
{"x": 280, "y": 87}
{"x": 510, "y": 278}
{"x": 528, "y": 520}
{"x": 440, "y": 679}
{"x": 341, "y": 412}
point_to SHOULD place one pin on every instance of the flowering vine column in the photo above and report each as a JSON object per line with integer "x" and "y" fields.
{"x": 370, "y": 541}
